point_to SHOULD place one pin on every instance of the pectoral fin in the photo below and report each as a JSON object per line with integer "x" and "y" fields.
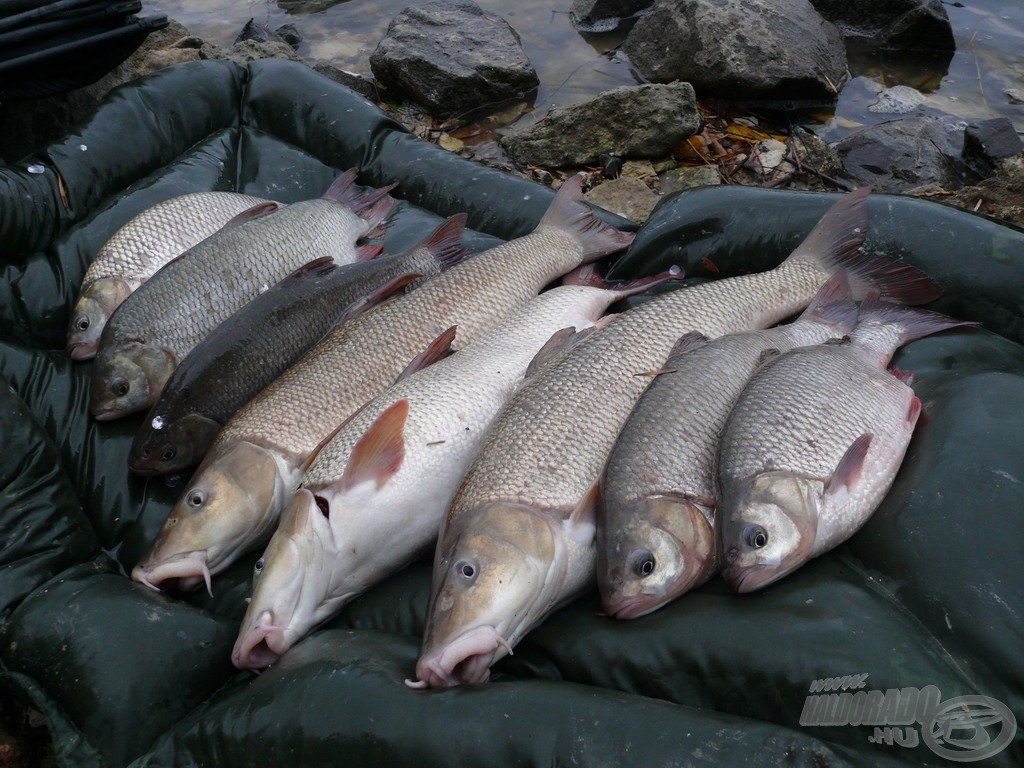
{"x": 380, "y": 451}
{"x": 848, "y": 470}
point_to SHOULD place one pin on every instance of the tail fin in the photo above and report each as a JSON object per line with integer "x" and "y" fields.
{"x": 445, "y": 242}
{"x": 835, "y": 243}
{"x": 343, "y": 191}
{"x": 375, "y": 216}
{"x": 833, "y": 305}
{"x": 568, "y": 212}
{"x": 909, "y": 323}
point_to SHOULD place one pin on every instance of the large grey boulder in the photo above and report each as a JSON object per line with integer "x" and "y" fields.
{"x": 740, "y": 48}
{"x": 629, "y": 121}
{"x": 451, "y": 56}
{"x": 899, "y": 155}
{"x": 917, "y": 24}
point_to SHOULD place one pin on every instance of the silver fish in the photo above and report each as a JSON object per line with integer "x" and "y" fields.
{"x": 161, "y": 322}
{"x": 655, "y": 532}
{"x": 519, "y": 538}
{"x": 375, "y": 495}
{"x": 137, "y": 250}
{"x": 235, "y": 498}
{"x": 813, "y": 444}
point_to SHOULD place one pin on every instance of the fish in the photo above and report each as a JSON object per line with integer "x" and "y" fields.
{"x": 255, "y": 345}
{"x": 236, "y": 496}
{"x": 160, "y": 323}
{"x": 813, "y": 445}
{"x": 137, "y": 250}
{"x": 518, "y": 540}
{"x": 374, "y": 497}
{"x": 656, "y": 522}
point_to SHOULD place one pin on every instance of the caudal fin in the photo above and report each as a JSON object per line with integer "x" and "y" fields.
{"x": 568, "y": 212}
{"x": 833, "y": 305}
{"x": 835, "y": 243}
{"x": 445, "y": 242}
{"x": 908, "y": 322}
{"x": 343, "y": 191}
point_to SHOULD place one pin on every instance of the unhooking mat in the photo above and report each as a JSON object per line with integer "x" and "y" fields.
{"x": 917, "y": 611}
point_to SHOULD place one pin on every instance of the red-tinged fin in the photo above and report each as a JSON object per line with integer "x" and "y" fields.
{"x": 646, "y": 283}
{"x": 687, "y": 343}
{"x": 375, "y": 217}
{"x": 833, "y": 305}
{"x": 258, "y": 211}
{"x": 709, "y": 265}
{"x": 380, "y": 451}
{"x": 569, "y": 213}
{"x": 343, "y": 191}
{"x": 583, "y": 519}
{"x": 905, "y": 376}
{"x": 368, "y": 252}
{"x": 391, "y": 288}
{"x": 914, "y": 410}
{"x": 850, "y": 466}
{"x": 912, "y": 323}
{"x": 316, "y": 268}
{"x": 438, "y": 349}
{"x": 585, "y": 274}
{"x": 559, "y": 342}
{"x": 445, "y": 242}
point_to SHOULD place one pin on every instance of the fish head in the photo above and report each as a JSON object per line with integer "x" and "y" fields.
{"x": 290, "y": 585}
{"x": 769, "y": 529}
{"x": 128, "y": 379}
{"x": 490, "y": 571}
{"x": 95, "y": 305}
{"x": 164, "y": 446}
{"x": 654, "y": 549}
{"x": 231, "y": 502}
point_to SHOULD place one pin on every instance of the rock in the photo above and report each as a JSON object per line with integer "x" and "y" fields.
{"x": 898, "y": 100}
{"x": 638, "y": 169}
{"x": 629, "y": 121}
{"x": 816, "y": 156}
{"x": 451, "y": 56}
{"x": 687, "y": 178}
{"x": 777, "y": 49}
{"x": 606, "y": 15}
{"x": 167, "y": 57}
{"x": 917, "y": 24}
{"x": 253, "y": 50}
{"x": 1015, "y": 95}
{"x": 360, "y": 85}
{"x": 254, "y": 30}
{"x": 768, "y": 163}
{"x": 626, "y": 197}
{"x": 989, "y": 142}
{"x": 900, "y": 155}
{"x": 290, "y": 34}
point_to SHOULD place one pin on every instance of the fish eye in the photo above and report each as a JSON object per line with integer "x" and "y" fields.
{"x": 196, "y": 498}
{"x": 82, "y": 323}
{"x": 642, "y": 562}
{"x": 168, "y": 453}
{"x": 757, "y": 537}
{"x": 466, "y": 570}
{"x": 120, "y": 386}
{"x": 259, "y": 566}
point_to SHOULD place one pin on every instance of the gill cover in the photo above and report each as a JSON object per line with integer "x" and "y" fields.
{"x": 128, "y": 379}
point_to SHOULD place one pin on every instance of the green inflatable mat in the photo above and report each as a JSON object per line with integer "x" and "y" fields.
{"x": 921, "y": 608}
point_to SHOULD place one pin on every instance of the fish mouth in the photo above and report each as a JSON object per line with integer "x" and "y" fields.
{"x": 751, "y": 578}
{"x": 106, "y": 414}
{"x": 623, "y": 607}
{"x": 261, "y": 645}
{"x": 464, "y": 661}
{"x": 80, "y": 351}
{"x": 189, "y": 570}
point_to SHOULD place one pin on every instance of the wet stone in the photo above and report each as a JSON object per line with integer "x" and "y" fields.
{"x": 627, "y": 197}
{"x": 687, "y": 178}
{"x": 911, "y": 24}
{"x": 606, "y": 15}
{"x": 353, "y": 82}
{"x": 898, "y": 100}
{"x": 990, "y": 141}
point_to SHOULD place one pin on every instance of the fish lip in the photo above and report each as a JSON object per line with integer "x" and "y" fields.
{"x": 465, "y": 660}
{"x": 619, "y": 607}
{"x": 106, "y": 414}
{"x": 190, "y": 568}
{"x": 80, "y": 351}
{"x": 751, "y": 578}
{"x": 255, "y": 648}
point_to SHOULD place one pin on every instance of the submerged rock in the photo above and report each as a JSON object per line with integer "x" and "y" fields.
{"x": 898, "y": 100}
{"x": 606, "y": 15}
{"x": 919, "y": 24}
{"x": 629, "y": 121}
{"x": 777, "y": 49}
{"x": 451, "y": 56}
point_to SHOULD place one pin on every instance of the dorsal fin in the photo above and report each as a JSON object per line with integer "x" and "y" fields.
{"x": 560, "y": 341}
{"x": 445, "y": 242}
{"x": 322, "y": 266}
{"x": 308, "y": 461}
{"x": 688, "y": 342}
{"x": 438, "y": 349}
{"x": 380, "y": 451}
{"x": 368, "y": 252}
{"x": 258, "y": 211}
{"x": 849, "y": 468}
{"x": 766, "y": 354}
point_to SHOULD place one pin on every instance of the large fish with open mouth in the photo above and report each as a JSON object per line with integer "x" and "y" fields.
{"x": 255, "y": 345}
{"x": 160, "y": 323}
{"x": 137, "y": 250}
{"x": 376, "y": 494}
{"x": 813, "y": 445}
{"x": 235, "y": 498}
{"x": 519, "y": 538}
{"x": 656, "y": 526}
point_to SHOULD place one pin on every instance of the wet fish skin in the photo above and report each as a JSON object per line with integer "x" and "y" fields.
{"x": 543, "y": 457}
{"x": 176, "y": 308}
{"x": 813, "y": 445}
{"x": 137, "y": 250}
{"x": 251, "y": 348}
{"x": 356, "y": 362}
{"x": 656, "y": 525}
{"x": 339, "y": 536}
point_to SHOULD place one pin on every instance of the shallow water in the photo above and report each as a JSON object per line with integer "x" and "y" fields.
{"x": 989, "y": 59}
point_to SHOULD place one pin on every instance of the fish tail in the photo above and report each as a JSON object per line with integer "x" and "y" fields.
{"x": 833, "y": 305}
{"x": 376, "y": 215}
{"x": 445, "y": 242}
{"x": 835, "y": 243}
{"x": 912, "y": 323}
{"x": 568, "y": 212}
{"x": 343, "y": 191}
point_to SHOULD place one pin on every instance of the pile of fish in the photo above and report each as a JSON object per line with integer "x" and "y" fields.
{"x": 358, "y": 409}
